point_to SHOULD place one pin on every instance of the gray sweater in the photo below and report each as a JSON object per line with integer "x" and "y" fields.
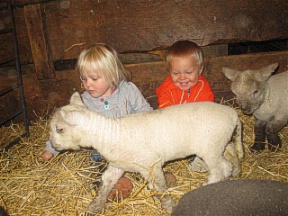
{"x": 126, "y": 99}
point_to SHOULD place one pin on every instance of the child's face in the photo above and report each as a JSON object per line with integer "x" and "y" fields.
{"x": 184, "y": 72}
{"x": 96, "y": 86}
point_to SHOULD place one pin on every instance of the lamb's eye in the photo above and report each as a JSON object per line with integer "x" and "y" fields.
{"x": 255, "y": 93}
{"x": 59, "y": 130}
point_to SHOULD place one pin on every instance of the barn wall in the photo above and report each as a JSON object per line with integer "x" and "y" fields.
{"x": 51, "y": 34}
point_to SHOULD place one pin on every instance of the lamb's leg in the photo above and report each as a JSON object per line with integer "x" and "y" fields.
{"x": 238, "y": 141}
{"x": 231, "y": 155}
{"x": 259, "y": 131}
{"x": 234, "y": 151}
{"x": 219, "y": 167}
{"x": 157, "y": 181}
{"x": 109, "y": 179}
{"x": 272, "y": 130}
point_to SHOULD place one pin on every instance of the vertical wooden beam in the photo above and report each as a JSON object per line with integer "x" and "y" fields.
{"x": 39, "y": 43}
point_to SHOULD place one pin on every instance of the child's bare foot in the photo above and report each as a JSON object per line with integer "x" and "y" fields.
{"x": 46, "y": 156}
{"x": 123, "y": 188}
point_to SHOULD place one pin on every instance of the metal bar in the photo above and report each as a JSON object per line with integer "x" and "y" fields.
{"x": 19, "y": 73}
{"x": 5, "y": 31}
{"x": 13, "y": 142}
{"x": 18, "y": 112}
{"x": 8, "y": 60}
{"x": 7, "y": 90}
{"x": 19, "y": 85}
{"x": 5, "y": 1}
{"x": 31, "y": 3}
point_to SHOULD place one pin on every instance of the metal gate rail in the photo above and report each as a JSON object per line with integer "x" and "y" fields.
{"x": 19, "y": 85}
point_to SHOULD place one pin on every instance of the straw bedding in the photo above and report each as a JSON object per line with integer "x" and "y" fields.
{"x": 66, "y": 184}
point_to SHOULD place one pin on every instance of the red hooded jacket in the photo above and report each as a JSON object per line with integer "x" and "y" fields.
{"x": 168, "y": 94}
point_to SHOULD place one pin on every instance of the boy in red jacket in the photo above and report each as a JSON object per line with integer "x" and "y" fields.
{"x": 185, "y": 63}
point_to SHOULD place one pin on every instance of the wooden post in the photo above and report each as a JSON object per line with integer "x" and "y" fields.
{"x": 38, "y": 41}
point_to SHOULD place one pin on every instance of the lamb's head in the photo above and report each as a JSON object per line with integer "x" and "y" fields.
{"x": 65, "y": 125}
{"x": 249, "y": 86}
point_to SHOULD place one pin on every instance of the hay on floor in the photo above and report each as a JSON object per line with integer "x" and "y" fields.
{"x": 66, "y": 184}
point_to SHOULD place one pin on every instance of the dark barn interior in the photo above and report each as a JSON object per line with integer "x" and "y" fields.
{"x": 41, "y": 40}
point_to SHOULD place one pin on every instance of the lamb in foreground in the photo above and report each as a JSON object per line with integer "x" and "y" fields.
{"x": 143, "y": 142}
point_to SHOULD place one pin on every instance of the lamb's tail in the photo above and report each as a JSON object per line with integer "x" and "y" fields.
{"x": 238, "y": 142}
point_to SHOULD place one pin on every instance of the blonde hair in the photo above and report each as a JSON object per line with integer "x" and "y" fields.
{"x": 185, "y": 48}
{"x": 102, "y": 60}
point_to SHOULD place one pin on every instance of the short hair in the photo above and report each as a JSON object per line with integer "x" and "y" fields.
{"x": 102, "y": 60}
{"x": 185, "y": 48}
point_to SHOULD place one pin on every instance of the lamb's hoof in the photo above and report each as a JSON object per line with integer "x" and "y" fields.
{"x": 198, "y": 165}
{"x": 168, "y": 209}
{"x": 257, "y": 147}
{"x": 273, "y": 148}
{"x": 169, "y": 205}
{"x": 213, "y": 181}
{"x": 95, "y": 207}
{"x": 92, "y": 212}
{"x": 236, "y": 171}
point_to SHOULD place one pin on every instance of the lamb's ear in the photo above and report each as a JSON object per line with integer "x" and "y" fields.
{"x": 266, "y": 72}
{"x": 230, "y": 73}
{"x": 76, "y": 100}
{"x": 70, "y": 117}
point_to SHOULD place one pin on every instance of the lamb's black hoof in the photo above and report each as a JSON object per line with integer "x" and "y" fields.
{"x": 273, "y": 148}
{"x": 257, "y": 147}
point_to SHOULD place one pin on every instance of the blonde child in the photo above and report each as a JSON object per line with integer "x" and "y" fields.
{"x": 107, "y": 91}
{"x": 185, "y": 84}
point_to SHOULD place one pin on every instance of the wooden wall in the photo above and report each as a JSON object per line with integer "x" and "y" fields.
{"x": 51, "y": 34}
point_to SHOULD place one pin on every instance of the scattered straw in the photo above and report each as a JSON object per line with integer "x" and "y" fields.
{"x": 78, "y": 44}
{"x": 66, "y": 184}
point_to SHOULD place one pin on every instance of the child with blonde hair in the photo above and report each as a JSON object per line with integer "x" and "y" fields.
{"x": 185, "y": 84}
{"x": 107, "y": 90}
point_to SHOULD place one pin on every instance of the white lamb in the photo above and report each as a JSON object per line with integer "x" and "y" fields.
{"x": 143, "y": 142}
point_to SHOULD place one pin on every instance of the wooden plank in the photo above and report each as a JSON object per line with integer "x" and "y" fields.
{"x": 214, "y": 66}
{"x": 39, "y": 45}
{"x": 19, "y": 3}
{"x": 147, "y": 76}
{"x": 139, "y": 25}
{"x": 7, "y": 44}
{"x": 9, "y": 104}
{"x": 152, "y": 56}
{"x": 215, "y": 50}
{"x": 6, "y": 51}
{"x": 25, "y": 51}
